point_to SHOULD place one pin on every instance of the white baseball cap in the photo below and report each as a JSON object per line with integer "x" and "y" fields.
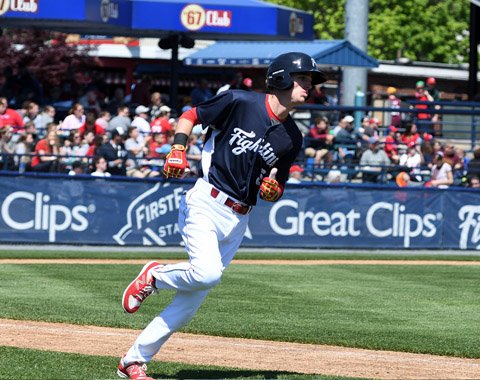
{"x": 349, "y": 119}
{"x": 141, "y": 109}
{"x": 165, "y": 109}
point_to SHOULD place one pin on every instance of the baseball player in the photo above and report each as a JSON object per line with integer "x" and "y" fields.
{"x": 249, "y": 148}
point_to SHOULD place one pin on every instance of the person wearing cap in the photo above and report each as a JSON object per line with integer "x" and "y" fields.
{"x": 247, "y": 84}
{"x": 295, "y": 174}
{"x": 391, "y": 144}
{"x": 162, "y": 120}
{"x": 346, "y": 139}
{"x": 394, "y": 102}
{"x": 373, "y": 162}
{"x": 140, "y": 121}
{"x": 442, "y": 173}
{"x": 435, "y": 94}
{"x": 423, "y": 118}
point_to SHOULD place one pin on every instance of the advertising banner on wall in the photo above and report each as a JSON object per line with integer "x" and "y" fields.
{"x": 134, "y": 213}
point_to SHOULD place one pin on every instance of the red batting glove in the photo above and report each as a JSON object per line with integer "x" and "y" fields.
{"x": 175, "y": 162}
{"x": 270, "y": 190}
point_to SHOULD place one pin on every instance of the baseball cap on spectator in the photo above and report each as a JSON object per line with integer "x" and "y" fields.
{"x": 439, "y": 154}
{"x": 427, "y": 137}
{"x": 392, "y": 128}
{"x": 420, "y": 84}
{"x": 391, "y": 90}
{"x": 296, "y": 168}
{"x": 431, "y": 80}
{"x": 373, "y": 140}
{"x": 349, "y": 119}
{"x": 117, "y": 132}
{"x": 141, "y": 109}
{"x": 165, "y": 109}
{"x": 247, "y": 82}
{"x": 374, "y": 120}
{"x": 411, "y": 144}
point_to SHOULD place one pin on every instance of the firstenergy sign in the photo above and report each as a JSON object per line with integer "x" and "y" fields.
{"x": 394, "y": 218}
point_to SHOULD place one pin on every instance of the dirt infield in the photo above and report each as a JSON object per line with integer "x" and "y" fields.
{"x": 242, "y": 353}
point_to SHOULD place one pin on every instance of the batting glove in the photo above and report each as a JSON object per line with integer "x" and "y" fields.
{"x": 175, "y": 162}
{"x": 270, "y": 190}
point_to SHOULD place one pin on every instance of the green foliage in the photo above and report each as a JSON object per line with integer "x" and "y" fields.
{"x": 422, "y": 30}
{"x": 425, "y": 309}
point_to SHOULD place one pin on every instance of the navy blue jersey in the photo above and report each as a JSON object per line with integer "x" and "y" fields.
{"x": 245, "y": 140}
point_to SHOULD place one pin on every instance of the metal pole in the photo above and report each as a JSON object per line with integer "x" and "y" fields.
{"x": 473, "y": 55}
{"x": 174, "y": 75}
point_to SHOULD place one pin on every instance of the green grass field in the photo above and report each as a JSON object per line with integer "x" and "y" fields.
{"x": 424, "y": 309}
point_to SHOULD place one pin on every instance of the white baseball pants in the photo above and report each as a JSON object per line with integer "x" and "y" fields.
{"x": 212, "y": 233}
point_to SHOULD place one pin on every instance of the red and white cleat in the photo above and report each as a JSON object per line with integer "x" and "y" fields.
{"x": 134, "y": 371}
{"x": 140, "y": 288}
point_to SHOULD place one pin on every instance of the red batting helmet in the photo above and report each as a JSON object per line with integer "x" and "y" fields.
{"x": 431, "y": 80}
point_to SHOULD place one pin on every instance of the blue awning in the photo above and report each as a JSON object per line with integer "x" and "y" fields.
{"x": 203, "y": 19}
{"x": 261, "y": 53}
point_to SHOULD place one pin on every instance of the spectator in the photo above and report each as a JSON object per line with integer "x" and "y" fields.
{"x": 201, "y": 92}
{"x": 410, "y": 134}
{"x": 140, "y": 121}
{"x": 136, "y": 148}
{"x": 155, "y": 104}
{"x": 373, "y": 161}
{"x": 194, "y": 155}
{"x": 346, "y": 139}
{"x": 117, "y": 101}
{"x": 22, "y": 149}
{"x": 441, "y": 175}
{"x": 91, "y": 125}
{"x": 426, "y": 148}
{"x": 102, "y": 121}
{"x": 121, "y": 120}
{"x": 391, "y": 144}
{"x": 77, "y": 168}
{"x": 7, "y": 149}
{"x": 100, "y": 167}
{"x": 435, "y": 94}
{"x": 141, "y": 91}
{"x": 474, "y": 182}
{"x": 9, "y": 117}
{"x": 47, "y": 151}
{"x": 319, "y": 141}
{"x": 47, "y": 116}
{"x": 98, "y": 141}
{"x": 33, "y": 114}
{"x": 158, "y": 141}
{"x": 247, "y": 84}
{"x": 90, "y": 102}
{"x": 74, "y": 120}
{"x": 163, "y": 120}
{"x": 474, "y": 164}
{"x": 114, "y": 153}
{"x": 395, "y": 103}
{"x": 451, "y": 157}
{"x": 295, "y": 174}
{"x": 412, "y": 160}
{"x": 423, "y": 118}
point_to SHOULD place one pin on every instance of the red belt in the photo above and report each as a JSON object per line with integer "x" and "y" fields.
{"x": 235, "y": 206}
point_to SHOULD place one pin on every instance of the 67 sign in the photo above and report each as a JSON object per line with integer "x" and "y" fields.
{"x": 195, "y": 17}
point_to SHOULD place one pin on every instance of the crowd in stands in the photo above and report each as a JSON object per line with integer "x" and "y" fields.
{"x": 131, "y": 136}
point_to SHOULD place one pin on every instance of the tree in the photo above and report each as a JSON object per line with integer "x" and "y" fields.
{"x": 38, "y": 59}
{"x": 421, "y": 30}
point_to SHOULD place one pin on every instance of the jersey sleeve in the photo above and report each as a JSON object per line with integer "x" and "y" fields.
{"x": 215, "y": 110}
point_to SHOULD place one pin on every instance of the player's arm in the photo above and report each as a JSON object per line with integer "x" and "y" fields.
{"x": 176, "y": 161}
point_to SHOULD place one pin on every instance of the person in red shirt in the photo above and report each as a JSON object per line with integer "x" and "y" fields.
{"x": 47, "y": 150}
{"x": 9, "y": 117}
{"x": 410, "y": 134}
{"x": 391, "y": 144}
{"x": 162, "y": 120}
{"x": 91, "y": 125}
{"x": 423, "y": 118}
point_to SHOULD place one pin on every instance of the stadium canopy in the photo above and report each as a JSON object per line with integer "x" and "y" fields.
{"x": 261, "y": 53}
{"x": 175, "y": 22}
{"x": 203, "y": 19}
